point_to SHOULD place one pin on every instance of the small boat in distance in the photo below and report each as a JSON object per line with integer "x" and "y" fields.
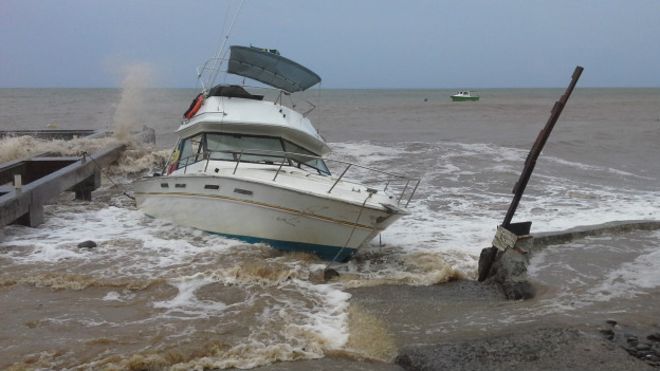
{"x": 256, "y": 170}
{"x": 464, "y": 96}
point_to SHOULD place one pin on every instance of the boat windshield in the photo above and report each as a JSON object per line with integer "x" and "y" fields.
{"x": 225, "y": 147}
{"x": 250, "y": 148}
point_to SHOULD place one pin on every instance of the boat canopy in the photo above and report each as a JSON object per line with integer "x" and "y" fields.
{"x": 270, "y": 68}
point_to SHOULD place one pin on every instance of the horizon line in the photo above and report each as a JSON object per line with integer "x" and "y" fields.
{"x": 349, "y": 88}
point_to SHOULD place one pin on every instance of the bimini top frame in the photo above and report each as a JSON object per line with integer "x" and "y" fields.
{"x": 264, "y": 65}
{"x": 269, "y": 67}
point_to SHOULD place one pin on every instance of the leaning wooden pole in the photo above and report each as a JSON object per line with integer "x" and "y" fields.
{"x": 530, "y": 163}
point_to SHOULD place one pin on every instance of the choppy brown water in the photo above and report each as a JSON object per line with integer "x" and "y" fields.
{"x": 156, "y": 295}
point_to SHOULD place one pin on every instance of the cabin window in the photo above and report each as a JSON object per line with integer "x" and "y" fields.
{"x": 302, "y": 160}
{"x": 191, "y": 150}
{"x": 251, "y": 148}
{"x": 255, "y": 149}
{"x": 216, "y": 144}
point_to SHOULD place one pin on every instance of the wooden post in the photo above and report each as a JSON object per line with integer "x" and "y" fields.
{"x": 530, "y": 163}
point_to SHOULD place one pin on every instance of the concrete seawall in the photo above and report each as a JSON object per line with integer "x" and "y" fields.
{"x": 509, "y": 269}
{"x": 542, "y": 240}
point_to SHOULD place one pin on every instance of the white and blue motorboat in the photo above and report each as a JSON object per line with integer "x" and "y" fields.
{"x": 257, "y": 170}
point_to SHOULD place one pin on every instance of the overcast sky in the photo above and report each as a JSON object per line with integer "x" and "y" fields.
{"x": 350, "y": 43}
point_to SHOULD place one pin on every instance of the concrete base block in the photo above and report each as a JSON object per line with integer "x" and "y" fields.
{"x": 509, "y": 271}
{"x": 83, "y": 190}
{"x": 32, "y": 218}
{"x": 509, "y": 268}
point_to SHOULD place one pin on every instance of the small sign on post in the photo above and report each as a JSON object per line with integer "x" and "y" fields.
{"x": 504, "y": 239}
{"x": 18, "y": 181}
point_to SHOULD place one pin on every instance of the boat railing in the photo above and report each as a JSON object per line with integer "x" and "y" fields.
{"x": 407, "y": 186}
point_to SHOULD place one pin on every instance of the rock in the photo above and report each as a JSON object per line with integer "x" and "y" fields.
{"x": 654, "y": 336}
{"x": 651, "y": 357}
{"x": 87, "y": 245}
{"x": 322, "y": 275}
{"x": 611, "y": 322}
{"x": 485, "y": 258}
{"x": 329, "y": 274}
{"x": 406, "y": 361}
{"x": 509, "y": 270}
{"x": 632, "y": 339}
{"x": 609, "y": 334}
{"x": 518, "y": 290}
{"x": 643, "y": 346}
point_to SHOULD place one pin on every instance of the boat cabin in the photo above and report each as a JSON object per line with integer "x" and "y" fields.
{"x": 228, "y": 123}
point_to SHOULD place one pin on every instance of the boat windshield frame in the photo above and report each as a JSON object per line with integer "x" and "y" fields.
{"x": 196, "y": 148}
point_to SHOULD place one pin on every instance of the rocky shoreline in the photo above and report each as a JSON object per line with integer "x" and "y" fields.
{"x": 534, "y": 349}
{"x": 416, "y": 319}
{"x": 547, "y": 344}
{"x": 643, "y": 344}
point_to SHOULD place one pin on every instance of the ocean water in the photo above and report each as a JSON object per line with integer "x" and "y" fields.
{"x": 153, "y": 294}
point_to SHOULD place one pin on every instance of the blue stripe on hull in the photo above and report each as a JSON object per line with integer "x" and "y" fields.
{"x": 324, "y": 252}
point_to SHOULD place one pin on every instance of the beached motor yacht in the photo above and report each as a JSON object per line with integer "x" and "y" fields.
{"x": 256, "y": 170}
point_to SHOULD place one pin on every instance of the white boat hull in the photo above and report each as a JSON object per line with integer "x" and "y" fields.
{"x": 283, "y": 217}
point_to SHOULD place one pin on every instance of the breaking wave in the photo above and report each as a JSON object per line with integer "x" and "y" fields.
{"x": 14, "y": 148}
{"x": 135, "y": 160}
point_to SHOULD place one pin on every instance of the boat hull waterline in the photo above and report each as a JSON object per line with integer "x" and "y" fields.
{"x": 464, "y": 96}
{"x": 283, "y": 218}
{"x": 464, "y": 99}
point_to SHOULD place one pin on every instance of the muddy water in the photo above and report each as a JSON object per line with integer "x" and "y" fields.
{"x": 152, "y": 294}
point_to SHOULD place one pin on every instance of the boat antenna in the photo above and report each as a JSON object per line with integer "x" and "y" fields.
{"x": 218, "y": 57}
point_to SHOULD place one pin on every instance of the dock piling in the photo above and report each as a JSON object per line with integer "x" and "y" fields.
{"x": 83, "y": 190}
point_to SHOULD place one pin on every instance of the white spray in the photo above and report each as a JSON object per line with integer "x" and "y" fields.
{"x": 130, "y": 113}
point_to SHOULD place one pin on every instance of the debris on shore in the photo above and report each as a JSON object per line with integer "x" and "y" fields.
{"x": 89, "y": 244}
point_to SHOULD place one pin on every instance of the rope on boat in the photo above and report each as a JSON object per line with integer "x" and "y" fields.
{"x": 354, "y": 227}
{"x": 124, "y": 190}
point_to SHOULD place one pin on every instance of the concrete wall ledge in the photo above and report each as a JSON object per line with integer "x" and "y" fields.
{"x": 544, "y": 239}
{"x": 509, "y": 269}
